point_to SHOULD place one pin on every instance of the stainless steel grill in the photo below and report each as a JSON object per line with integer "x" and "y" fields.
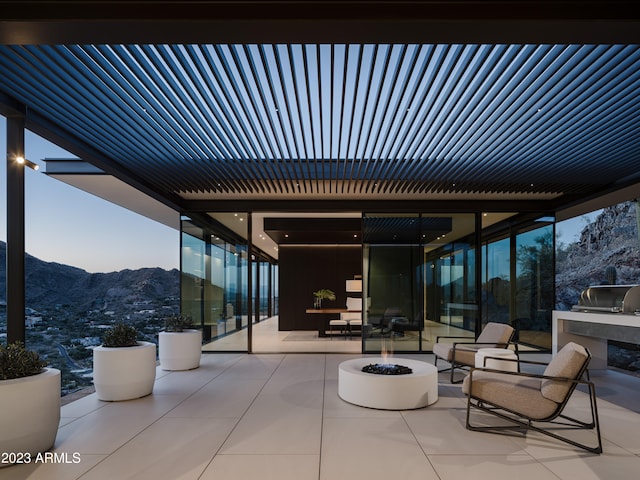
{"x": 610, "y": 299}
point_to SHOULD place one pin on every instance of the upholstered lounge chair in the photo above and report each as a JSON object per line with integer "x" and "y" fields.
{"x": 463, "y": 352}
{"x": 535, "y": 402}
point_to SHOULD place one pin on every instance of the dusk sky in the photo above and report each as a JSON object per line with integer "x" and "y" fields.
{"x": 69, "y": 226}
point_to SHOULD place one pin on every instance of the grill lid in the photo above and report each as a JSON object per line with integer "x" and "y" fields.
{"x": 610, "y": 298}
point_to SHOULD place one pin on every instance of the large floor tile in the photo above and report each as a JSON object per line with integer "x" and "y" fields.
{"x": 272, "y": 467}
{"x": 490, "y": 467}
{"x": 171, "y": 448}
{"x": 372, "y": 449}
{"x": 280, "y": 432}
{"x": 103, "y": 431}
{"x": 259, "y": 367}
{"x": 221, "y": 398}
{"x": 68, "y": 469}
{"x": 82, "y": 406}
{"x": 568, "y": 462}
{"x": 621, "y": 427}
{"x": 443, "y": 431}
{"x": 185, "y": 382}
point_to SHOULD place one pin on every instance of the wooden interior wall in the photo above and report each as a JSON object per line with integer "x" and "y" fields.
{"x": 304, "y": 269}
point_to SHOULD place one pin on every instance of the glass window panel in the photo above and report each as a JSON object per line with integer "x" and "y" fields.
{"x": 193, "y": 274}
{"x": 214, "y": 286}
{"x": 392, "y": 282}
{"x": 534, "y": 292}
{"x": 496, "y": 286}
{"x": 419, "y": 278}
{"x": 450, "y": 297}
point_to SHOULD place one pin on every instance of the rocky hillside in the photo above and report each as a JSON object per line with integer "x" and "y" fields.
{"x": 607, "y": 253}
{"x": 610, "y": 242}
{"x": 50, "y": 284}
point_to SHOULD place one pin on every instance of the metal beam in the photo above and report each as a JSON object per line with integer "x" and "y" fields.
{"x": 15, "y": 231}
{"x": 319, "y": 21}
{"x": 382, "y": 205}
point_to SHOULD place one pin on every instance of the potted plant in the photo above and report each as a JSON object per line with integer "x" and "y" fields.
{"x": 123, "y": 367}
{"x": 323, "y": 294}
{"x": 29, "y": 404}
{"x": 179, "y": 345}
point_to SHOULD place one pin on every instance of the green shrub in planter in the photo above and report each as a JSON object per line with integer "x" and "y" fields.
{"x": 120, "y": 335}
{"x": 178, "y": 323}
{"x": 18, "y": 362}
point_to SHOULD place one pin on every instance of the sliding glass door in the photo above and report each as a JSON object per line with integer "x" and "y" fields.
{"x": 419, "y": 279}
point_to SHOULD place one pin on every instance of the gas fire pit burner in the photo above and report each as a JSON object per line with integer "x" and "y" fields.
{"x": 386, "y": 369}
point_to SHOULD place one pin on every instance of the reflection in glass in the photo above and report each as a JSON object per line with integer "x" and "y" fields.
{"x": 419, "y": 279}
{"x": 214, "y": 280}
{"x": 451, "y": 302}
{"x": 534, "y": 293}
{"x": 496, "y": 286}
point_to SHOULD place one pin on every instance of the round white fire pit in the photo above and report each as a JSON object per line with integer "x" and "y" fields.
{"x": 388, "y": 392}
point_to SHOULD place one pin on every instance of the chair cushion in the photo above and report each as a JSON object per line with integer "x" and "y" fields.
{"x": 354, "y": 303}
{"x": 495, "y": 333}
{"x": 465, "y": 354}
{"x": 567, "y": 363}
{"x": 518, "y": 394}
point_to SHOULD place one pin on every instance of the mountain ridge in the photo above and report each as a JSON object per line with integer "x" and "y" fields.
{"x": 51, "y": 283}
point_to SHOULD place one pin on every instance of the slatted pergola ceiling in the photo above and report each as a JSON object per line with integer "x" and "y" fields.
{"x": 198, "y": 121}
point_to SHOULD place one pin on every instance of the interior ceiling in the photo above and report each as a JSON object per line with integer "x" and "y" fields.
{"x": 322, "y": 117}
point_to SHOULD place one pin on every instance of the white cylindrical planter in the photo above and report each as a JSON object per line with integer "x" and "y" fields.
{"x": 124, "y": 373}
{"x": 29, "y": 413}
{"x": 180, "y": 350}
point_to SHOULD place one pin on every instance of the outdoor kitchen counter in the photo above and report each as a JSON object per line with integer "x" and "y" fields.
{"x": 592, "y": 330}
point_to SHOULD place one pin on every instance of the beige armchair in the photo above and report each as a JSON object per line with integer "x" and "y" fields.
{"x": 463, "y": 352}
{"x": 535, "y": 402}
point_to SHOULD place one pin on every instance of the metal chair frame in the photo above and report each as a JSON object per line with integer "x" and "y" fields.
{"x": 522, "y": 421}
{"x": 463, "y": 366}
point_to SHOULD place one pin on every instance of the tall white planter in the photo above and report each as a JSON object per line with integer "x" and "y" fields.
{"x": 124, "y": 373}
{"x": 180, "y": 350}
{"x": 29, "y": 413}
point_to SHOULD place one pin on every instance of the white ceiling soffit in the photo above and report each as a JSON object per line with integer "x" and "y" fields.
{"x": 91, "y": 180}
